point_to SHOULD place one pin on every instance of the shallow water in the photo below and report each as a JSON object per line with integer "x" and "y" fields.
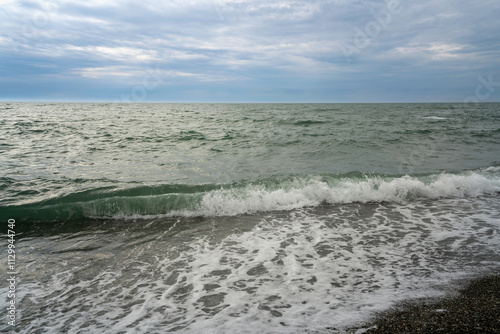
{"x": 283, "y": 272}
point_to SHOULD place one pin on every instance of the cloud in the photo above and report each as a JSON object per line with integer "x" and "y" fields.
{"x": 106, "y": 72}
{"x": 435, "y": 51}
{"x": 118, "y": 54}
{"x": 127, "y": 72}
{"x": 254, "y": 46}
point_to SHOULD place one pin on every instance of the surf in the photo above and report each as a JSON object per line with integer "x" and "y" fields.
{"x": 252, "y": 196}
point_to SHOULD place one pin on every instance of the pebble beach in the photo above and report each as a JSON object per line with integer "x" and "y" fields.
{"x": 475, "y": 308}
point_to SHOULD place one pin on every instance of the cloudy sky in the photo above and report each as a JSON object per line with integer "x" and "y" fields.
{"x": 250, "y": 50}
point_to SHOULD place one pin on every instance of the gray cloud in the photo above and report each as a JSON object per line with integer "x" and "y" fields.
{"x": 339, "y": 48}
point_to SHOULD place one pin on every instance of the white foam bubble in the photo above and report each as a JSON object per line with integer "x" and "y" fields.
{"x": 312, "y": 191}
{"x": 372, "y": 189}
{"x": 434, "y": 117}
{"x": 296, "y": 271}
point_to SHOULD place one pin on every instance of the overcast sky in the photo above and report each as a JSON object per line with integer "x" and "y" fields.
{"x": 250, "y": 50}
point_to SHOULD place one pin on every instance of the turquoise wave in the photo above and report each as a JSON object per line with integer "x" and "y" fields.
{"x": 246, "y": 197}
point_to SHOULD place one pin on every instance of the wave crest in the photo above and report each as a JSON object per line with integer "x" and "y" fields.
{"x": 252, "y": 199}
{"x": 259, "y": 196}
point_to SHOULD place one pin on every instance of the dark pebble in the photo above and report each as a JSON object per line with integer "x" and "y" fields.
{"x": 475, "y": 309}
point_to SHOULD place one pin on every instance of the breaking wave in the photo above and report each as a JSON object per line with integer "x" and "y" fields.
{"x": 247, "y": 197}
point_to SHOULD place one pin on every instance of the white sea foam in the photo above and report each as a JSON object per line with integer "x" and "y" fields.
{"x": 251, "y": 199}
{"x": 297, "y": 271}
{"x": 314, "y": 191}
{"x": 434, "y": 117}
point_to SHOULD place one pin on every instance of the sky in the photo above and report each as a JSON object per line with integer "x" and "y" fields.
{"x": 250, "y": 51}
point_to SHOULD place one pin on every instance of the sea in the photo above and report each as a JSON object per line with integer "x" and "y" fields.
{"x": 240, "y": 218}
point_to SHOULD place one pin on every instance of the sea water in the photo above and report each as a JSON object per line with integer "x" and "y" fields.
{"x": 247, "y": 218}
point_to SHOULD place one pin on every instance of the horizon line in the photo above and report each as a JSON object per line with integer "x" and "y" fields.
{"x": 245, "y": 102}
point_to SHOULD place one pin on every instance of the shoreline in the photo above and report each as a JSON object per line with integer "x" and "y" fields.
{"x": 473, "y": 308}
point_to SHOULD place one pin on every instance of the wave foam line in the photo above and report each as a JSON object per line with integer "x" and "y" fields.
{"x": 376, "y": 189}
{"x": 261, "y": 196}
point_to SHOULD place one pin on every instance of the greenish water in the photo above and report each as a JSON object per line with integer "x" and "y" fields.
{"x": 248, "y": 218}
{"x": 71, "y": 161}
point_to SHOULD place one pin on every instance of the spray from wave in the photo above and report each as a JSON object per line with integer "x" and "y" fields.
{"x": 271, "y": 194}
